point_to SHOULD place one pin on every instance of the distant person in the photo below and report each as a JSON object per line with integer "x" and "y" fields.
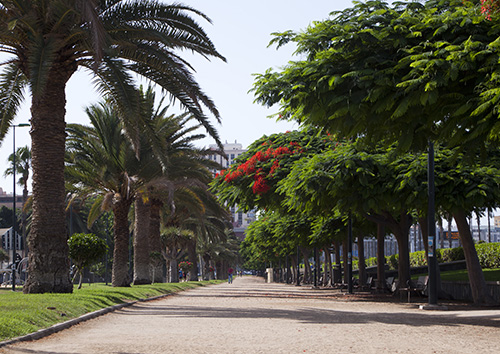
{"x": 230, "y": 272}
{"x": 180, "y": 275}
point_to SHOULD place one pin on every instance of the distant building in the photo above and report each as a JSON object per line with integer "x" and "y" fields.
{"x": 240, "y": 219}
{"x": 7, "y": 242}
{"x": 497, "y": 221}
{"x": 231, "y": 150}
{"x": 7, "y": 200}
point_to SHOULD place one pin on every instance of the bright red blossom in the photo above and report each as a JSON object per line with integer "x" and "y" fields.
{"x": 260, "y": 185}
{"x": 489, "y": 6}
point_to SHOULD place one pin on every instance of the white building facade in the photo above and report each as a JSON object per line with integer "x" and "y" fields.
{"x": 240, "y": 219}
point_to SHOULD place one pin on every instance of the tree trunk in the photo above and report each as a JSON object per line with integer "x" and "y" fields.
{"x": 338, "y": 261}
{"x": 424, "y": 228}
{"x": 361, "y": 260}
{"x": 193, "y": 258}
{"x": 307, "y": 265}
{"x": 441, "y": 233}
{"x": 401, "y": 231}
{"x": 208, "y": 273}
{"x": 141, "y": 241}
{"x": 120, "y": 275}
{"x": 344, "y": 257}
{"x": 174, "y": 271}
{"x": 476, "y": 277}
{"x": 328, "y": 268}
{"x": 294, "y": 268}
{"x": 49, "y": 266}
{"x": 400, "y": 228}
{"x": 380, "y": 257}
{"x": 155, "y": 240}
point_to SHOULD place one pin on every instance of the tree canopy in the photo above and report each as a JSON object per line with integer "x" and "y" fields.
{"x": 404, "y": 73}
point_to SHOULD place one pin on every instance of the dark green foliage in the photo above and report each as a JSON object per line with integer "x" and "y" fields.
{"x": 418, "y": 259}
{"x": 85, "y": 249}
{"x": 451, "y": 254}
{"x": 489, "y": 254}
{"x": 6, "y": 217}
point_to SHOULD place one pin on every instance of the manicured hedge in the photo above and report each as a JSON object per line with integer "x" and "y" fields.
{"x": 488, "y": 253}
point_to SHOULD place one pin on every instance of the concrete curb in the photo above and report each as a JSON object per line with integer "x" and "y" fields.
{"x": 67, "y": 324}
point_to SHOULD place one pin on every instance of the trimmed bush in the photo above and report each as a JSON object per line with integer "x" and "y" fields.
{"x": 418, "y": 259}
{"x": 489, "y": 254}
{"x": 451, "y": 254}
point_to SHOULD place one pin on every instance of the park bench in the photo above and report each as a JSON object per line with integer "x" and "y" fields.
{"x": 419, "y": 287}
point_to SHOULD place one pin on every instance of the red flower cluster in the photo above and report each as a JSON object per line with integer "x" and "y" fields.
{"x": 248, "y": 168}
{"x": 488, "y": 7}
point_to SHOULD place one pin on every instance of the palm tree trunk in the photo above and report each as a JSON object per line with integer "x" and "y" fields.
{"x": 49, "y": 266}
{"x": 174, "y": 271}
{"x": 155, "y": 240}
{"x": 121, "y": 236}
{"x": 141, "y": 242}
{"x": 476, "y": 277}
{"x": 193, "y": 258}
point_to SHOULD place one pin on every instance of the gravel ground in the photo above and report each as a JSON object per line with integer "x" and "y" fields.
{"x": 250, "y": 316}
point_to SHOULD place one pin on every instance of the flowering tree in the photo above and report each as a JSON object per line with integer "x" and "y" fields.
{"x": 186, "y": 266}
{"x": 251, "y": 182}
{"x": 489, "y": 7}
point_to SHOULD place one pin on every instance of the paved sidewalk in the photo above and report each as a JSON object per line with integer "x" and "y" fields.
{"x": 250, "y": 316}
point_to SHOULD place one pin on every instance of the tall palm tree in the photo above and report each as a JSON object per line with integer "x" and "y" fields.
{"x": 168, "y": 161}
{"x": 23, "y": 167}
{"x": 102, "y": 162}
{"x": 48, "y": 41}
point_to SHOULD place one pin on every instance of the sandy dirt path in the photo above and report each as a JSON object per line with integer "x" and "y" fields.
{"x": 250, "y": 316}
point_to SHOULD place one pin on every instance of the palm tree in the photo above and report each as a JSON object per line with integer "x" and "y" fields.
{"x": 174, "y": 241}
{"x": 47, "y": 42}
{"x": 23, "y": 166}
{"x": 102, "y": 163}
{"x": 168, "y": 161}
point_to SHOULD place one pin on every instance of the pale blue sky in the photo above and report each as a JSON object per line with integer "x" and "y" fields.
{"x": 241, "y": 32}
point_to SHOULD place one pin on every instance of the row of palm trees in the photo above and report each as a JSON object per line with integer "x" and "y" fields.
{"x": 115, "y": 41}
{"x": 163, "y": 179}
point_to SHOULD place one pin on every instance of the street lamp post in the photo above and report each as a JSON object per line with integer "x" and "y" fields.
{"x": 14, "y": 253}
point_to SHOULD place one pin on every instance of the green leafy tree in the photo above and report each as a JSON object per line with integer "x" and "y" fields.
{"x": 463, "y": 188}
{"x": 404, "y": 73}
{"x": 113, "y": 40}
{"x": 252, "y": 180}
{"x": 359, "y": 180}
{"x": 85, "y": 249}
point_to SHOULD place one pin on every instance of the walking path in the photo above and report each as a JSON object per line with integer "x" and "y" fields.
{"x": 250, "y": 316}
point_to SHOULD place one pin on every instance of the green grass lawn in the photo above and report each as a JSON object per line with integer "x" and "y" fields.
{"x": 461, "y": 275}
{"x": 22, "y": 314}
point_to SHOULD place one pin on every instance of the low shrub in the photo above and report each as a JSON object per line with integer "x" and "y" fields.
{"x": 489, "y": 254}
{"x": 451, "y": 254}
